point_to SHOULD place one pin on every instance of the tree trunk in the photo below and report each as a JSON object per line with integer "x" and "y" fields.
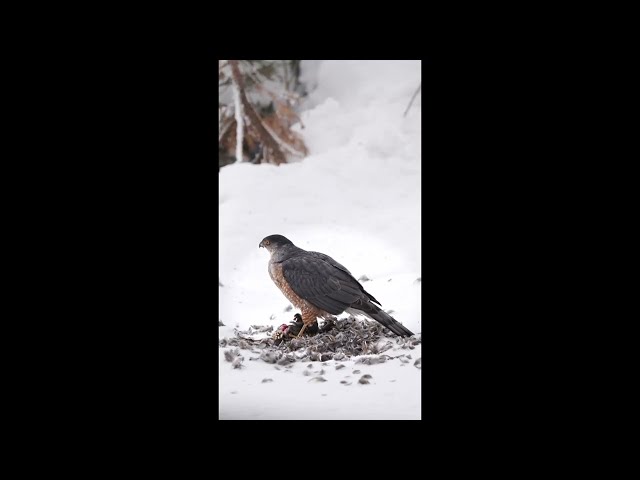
{"x": 265, "y": 137}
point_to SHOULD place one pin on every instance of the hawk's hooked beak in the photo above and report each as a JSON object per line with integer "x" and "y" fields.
{"x": 260, "y": 245}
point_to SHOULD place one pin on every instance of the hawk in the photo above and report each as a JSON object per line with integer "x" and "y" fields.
{"x": 320, "y": 287}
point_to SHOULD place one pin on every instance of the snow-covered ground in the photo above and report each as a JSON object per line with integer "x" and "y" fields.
{"x": 356, "y": 198}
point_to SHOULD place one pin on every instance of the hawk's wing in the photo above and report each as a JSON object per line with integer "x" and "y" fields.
{"x": 329, "y": 260}
{"x": 332, "y": 262}
{"x": 314, "y": 278}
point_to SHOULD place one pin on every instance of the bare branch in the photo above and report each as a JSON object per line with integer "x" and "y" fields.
{"x": 282, "y": 143}
{"x": 412, "y": 99}
{"x": 226, "y": 123}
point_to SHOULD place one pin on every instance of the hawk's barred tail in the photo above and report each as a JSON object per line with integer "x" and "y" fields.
{"x": 388, "y": 321}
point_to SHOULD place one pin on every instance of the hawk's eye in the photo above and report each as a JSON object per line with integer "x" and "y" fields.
{"x": 267, "y": 242}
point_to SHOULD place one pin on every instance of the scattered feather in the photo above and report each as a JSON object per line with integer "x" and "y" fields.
{"x": 237, "y": 363}
{"x": 317, "y": 380}
{"x": 370, "y": 360}
{"x": 337, "y": 339}
{"x": 269, "y": 357}
{"x": 285, "y": 360}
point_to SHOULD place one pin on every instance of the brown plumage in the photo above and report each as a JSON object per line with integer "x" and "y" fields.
{"x": 320, "y": 287}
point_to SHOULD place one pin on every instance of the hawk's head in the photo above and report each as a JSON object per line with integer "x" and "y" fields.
{"x": 273, "y": 242}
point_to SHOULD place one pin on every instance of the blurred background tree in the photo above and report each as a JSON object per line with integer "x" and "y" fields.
{"x": 256, "y": 110}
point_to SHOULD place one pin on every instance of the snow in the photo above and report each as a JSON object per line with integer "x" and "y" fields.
{"x": 239, "y": 122}
{"x": 356, "y": 198}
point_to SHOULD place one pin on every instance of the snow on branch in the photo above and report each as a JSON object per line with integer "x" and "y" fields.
{"x": 239, "y": 122}
{"x": 253, "y": 116}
